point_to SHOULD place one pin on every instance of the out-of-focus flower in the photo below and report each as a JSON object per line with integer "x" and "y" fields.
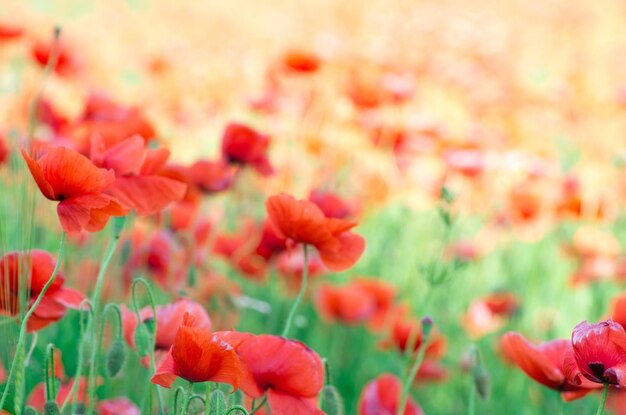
{"x": 37, "y": 265}
{"x": 244, "y": 145}
{"x": 489, "y": 314}
{"x": 347, "y": 304}
{"x": 300, "y": 221}
{"x": 302, "y": 61}
{"x": 381, "y": 396}
{"x": 117, "y": 406}
{"x": 212, "y": 176}
{"x": 331, "y": 204}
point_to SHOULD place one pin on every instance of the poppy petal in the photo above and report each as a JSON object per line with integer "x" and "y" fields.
{"x": 147, "y": 194}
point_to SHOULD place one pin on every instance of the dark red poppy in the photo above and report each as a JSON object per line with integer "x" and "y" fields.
{"x": 544, "y": 363}
{"x": 198, "y": 355}
{"x": 331, "y": 204}
{"x": 117, "y": 406}
{"x": 212, "y": 176}
{"x": 300, "y": 221}
{"x": 381, "y": 396}
{"x": 347, "y": 304}
{"x": 37, "y": 265}
{"x": 78, "y": 185}
{"x": 289, "y": 372}
{"x": 137, "y": 184}
{"x": 598, "y": 354}
{"x": 244, "y": 145}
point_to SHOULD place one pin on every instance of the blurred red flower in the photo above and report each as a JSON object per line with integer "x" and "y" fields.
{"x": 243, "y": 145}
{"x": 300, "y": 221}
{"x": 117, "y": 406}
{"x": 79, "y": 186}
{"x": 381, "y": 396}
{"x": 38, "y": 265}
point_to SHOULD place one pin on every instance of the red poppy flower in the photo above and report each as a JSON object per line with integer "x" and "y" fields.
{"x": 66, "y": 62}
{"x": 168, "y": 318}
{"x": 599, "y": 354}
{"x": 212, "y": 176}
{"x": 331, "y": 204}
{"x": 291, "y": 267}
{"x": 10, "y": 32}
{"x": 383, "y": 294}
{"x": 290, "y": 372}
{"x": 489, "y": 314}
{"x": 269, "y": 245}
{"x": 198, "y": 355}
{"x": 301, "y": 61}
{"x": 618, "y": 313}
{"x": 347, "y": 304}
{"x": 78, "y": 185}
{"x": 117, "y": 406}
{"x": 544, "y": 363}
{"x": 13, "y": 268}
{"x": 4, "y": 151}
{"x": 243, "y": 145}
{"x": 431, "y": 371}
{"x": 300, "y": 221}
{"x": 381, "y": 396}
{"x": 37, "y": 397}
{"x": 137, "y": 184}
{"x": 406, "y": 331}
{"x": 239, "y": 249}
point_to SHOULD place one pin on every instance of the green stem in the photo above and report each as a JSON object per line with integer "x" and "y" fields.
{"x": 145, "y": 283}
{"x": 605, "y": 392}
{"x": 50, "y": 375}
{"x": 292, "y": 312}
{"x": 95, "y": 323}
{"x": 22, "y": 333}
{"x": 412, "y": 373}
{"x": 237, "y": 408}
{"x": 178, "y": 391}
{"x": 81, "y": 355}
{"x": 207, "y": 398}
{"x": 259, "y": 406}
{"x": 187, "y": 399}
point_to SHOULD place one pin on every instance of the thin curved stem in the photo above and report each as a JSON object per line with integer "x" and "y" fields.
{"x": 254, "y": 410}
{"x": 145, "y": 283}
{"x": 22, "y": 334}
{"x": 96, "y": 321}
{"x": 81, "y": 355}
{"x": 237, "y": 408}
{"x": 411, "y": 376}
{"x": 294, "y": 307}
{"x": 605, "y": 392}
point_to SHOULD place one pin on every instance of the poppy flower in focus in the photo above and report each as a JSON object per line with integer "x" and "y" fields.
{"x": 168, "y": 318}
{"x": 198, "y": 355}
{"x": 544, "y": 363}
{"x": 381, "y": 396}
{"x": 212, "y": 176}
{"x": 244, "y": 145}
{"x": 37, "y": 265}
{"x": 117, "y": 406}
{"x": 289, "y": 372}
{"x": 79, "y": 186}
{"x": 302, "y": 61}
{"x": 331, "y": 204}
{"x": 137, "y": 184}
{"x": 301, "y": 221}
{"x": 489, "y": 314}
{"x": 599, "y": 354}
{"x": 347, "y": 304}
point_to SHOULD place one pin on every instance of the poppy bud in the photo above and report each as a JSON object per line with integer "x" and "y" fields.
{"x": 51, "y": 408}
{"x": 217, "y": 403}
{"x": 481, "y": 381}
{"x": 142, "y": 340}
{"x": 332, "y": 404}
{"x": 115, "y": 358}
{"x": 427, "y": 325}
